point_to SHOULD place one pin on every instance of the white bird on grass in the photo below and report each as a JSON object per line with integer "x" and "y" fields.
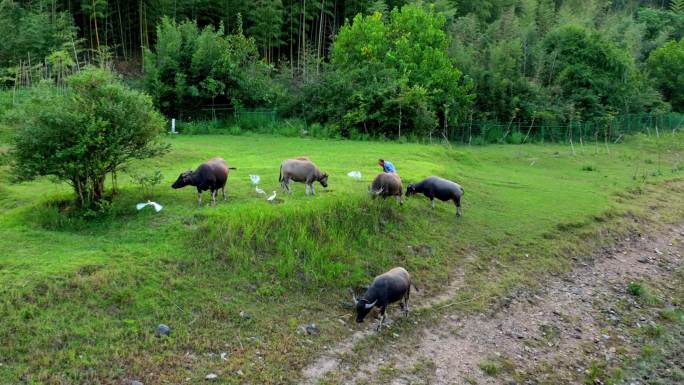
{"x": 157, "y": 206}
{"x": 272, "y": 197}
{"x": 260, "y": 191}
{"x": 255, "y": 179}
{"x": 355, "y": 174}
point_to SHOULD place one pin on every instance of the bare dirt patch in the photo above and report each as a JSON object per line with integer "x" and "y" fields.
{"x": 552, "y": 335}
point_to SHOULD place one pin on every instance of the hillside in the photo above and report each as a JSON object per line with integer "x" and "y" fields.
{"x": 81, "y": 298}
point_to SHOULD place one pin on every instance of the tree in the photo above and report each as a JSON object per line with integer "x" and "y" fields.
{"x": 190, "y": 68}
{"x": 85, "y": 134}
{"x": 589, "y": 73}
{"x": 267, "y": 22}
{"x": 31, "y": 32}
{"x": 380, "y": 65}
{"x": 666, "y": 65}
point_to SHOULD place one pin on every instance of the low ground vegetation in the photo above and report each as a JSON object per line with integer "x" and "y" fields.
{"x": 243, "y": 277}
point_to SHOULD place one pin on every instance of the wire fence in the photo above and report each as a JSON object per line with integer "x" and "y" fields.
{"x": 478, "y": 132}
{"x": 468, "y": 132}
{"x": 229, "y": 115}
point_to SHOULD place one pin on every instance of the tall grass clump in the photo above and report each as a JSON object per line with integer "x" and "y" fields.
{"x": 331, "y": 243}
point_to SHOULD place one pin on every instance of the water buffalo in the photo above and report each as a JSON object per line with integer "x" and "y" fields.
{"x": 211, "y": 175}
{"x": 436, "y": 187}
{"x": 301, "y": 170}
{"x": 386, "y": 288}
{"x": 386, "y": 184}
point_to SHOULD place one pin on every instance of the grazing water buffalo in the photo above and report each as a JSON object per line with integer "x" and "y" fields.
{"x": 386, "y": 288}
{"x": 386, "y": 184}
{"x": 301, "y": 170}
{"x": 210, "y": 175}
{"x": 436, "y": 187}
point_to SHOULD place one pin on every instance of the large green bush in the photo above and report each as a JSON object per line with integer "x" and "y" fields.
{"x": 387, "y": 75}
{"x": 667, "y": 69}
{"x": 191, "y": 68}
{"x": 590, "y": 78}
{"x": 84, "y": 133}
{"x": 30, "y": 32}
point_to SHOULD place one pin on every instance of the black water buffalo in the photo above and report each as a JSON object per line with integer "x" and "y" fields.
{"x": 211, "y": 175}
{"x": 386, "y": 288}
{"x": 436, "y": 187}
{"x": 386, "y": 184}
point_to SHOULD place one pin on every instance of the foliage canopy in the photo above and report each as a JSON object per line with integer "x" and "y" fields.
{"x": 192, "y": 67}
{"x": 85, "y": 133}
{"x": 667, "y": 69}
{"x": 387, "y": 74}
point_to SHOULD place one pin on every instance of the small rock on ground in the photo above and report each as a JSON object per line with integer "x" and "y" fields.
{"x": 163, "y": 330}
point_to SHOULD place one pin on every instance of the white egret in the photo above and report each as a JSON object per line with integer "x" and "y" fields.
{"x": 355, "y": 174}
{"x": 157, "y": 206}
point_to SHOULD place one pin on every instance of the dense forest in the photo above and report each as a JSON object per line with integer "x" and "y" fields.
{"x": 377, "y": 67}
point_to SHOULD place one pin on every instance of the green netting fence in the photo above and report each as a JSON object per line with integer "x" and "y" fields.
{"x": 478, "y": 132}
{"x": 245, "y": 117}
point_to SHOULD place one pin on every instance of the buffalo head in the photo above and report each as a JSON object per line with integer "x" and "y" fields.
{"x": 363, "y": 307}
{"x": 410, "y": 190}
{"x": 183, "y": 180}
{"x": 323, "y": 180}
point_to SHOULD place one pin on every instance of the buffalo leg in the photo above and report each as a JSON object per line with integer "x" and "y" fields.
{"x": 383, "y": 316}
{"x": 313, "y": 189}
{"x": 401, "y": 202}
{"x": 306, "y": 186}
{"x": 199, "y": 198}
{"x": 213, "y": 197}
{"x": 223, "y": 192}
{"x": 458, "y": 206}
{"x": 406, "y": 300}
{"x": 432, "y": 202}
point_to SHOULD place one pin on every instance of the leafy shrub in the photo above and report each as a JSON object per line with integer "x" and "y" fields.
{"x": 202, "y": 127}
{"x": 666, "y": 65}
{"x": 146, "y": 180}
{"x": 235, "y": 130}
{"x": 516, "y": 137}
{"x": 636, "y": 289}
{"x": 389, "y": 73}
{"x": 490, "y": 368}
{"x": 84, "y": 135}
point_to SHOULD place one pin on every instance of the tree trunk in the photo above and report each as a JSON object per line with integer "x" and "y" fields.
{"x": 320, "y": 38}
{"x": 142, "y": 42}
{"x": 122, "y": 37}
{"x": 98, "y": 188}
{"x": 94, "y": 17}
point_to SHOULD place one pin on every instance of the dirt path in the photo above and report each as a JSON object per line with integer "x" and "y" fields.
{"x": 551, "y": 335}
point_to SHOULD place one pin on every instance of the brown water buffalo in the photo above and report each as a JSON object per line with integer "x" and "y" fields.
{"x": 386, "y": 184}
{"x": 301, "y": 170}
{"x": 211, "y": 175}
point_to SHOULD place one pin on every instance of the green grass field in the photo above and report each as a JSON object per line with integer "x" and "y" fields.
{"x": 80, "y": 299}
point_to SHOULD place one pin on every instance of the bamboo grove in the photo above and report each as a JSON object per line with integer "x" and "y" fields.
{"x": 374, "y": 67}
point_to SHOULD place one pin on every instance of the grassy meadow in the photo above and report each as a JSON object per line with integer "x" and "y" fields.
{"x": 80, "y": 297}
